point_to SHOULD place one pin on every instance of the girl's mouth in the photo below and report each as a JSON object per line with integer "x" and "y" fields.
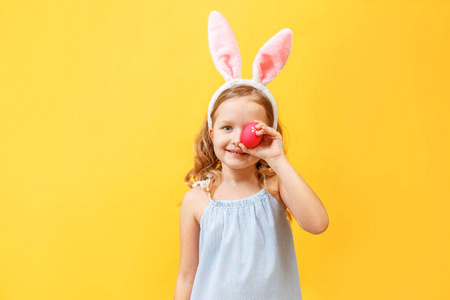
{"x": 237, "y": 154}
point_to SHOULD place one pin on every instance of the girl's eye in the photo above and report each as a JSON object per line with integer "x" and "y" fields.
{"x": 226, "y": 127}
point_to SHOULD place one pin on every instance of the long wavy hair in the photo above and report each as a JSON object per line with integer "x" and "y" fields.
{"x": 206, "y": 163}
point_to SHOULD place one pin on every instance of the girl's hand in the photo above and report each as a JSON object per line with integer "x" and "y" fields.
{"x": 271, "y": 146}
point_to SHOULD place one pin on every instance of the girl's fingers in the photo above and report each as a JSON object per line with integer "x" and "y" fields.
{"x": 243, "y": 148}
{"x": 264, "y": 129}
{"x": 260, "y": 123}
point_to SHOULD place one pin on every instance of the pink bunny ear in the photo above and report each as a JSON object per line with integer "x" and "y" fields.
{"x": 272, "y": 57}
{"x": 223, "y": 47}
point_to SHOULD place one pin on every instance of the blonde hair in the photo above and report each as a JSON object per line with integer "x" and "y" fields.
{"x": 207, "y": 165}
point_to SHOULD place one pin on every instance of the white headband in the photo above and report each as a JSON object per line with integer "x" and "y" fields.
{"x": 268, "y": 63}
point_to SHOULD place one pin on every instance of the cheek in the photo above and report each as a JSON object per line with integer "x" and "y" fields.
{"x": 218, "y": 143}
{"x": 219, "y": 140}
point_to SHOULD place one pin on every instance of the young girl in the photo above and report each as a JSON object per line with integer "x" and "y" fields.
{"x": 236, "y": 240}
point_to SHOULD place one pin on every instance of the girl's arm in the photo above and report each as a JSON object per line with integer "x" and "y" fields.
{"x": 301, "y": 200}
{"x": 189, "y": 239}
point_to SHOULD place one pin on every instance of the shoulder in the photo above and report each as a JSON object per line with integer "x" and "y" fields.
{"x": 195, "y": 201}
{"x": 273, "y": 187}
{"x": 192, "y": 196}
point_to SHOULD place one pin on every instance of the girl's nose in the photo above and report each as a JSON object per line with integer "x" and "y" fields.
{"x": 236, "y": 137}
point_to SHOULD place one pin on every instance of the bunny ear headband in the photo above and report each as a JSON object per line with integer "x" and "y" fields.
{"x": 268, "y": 63}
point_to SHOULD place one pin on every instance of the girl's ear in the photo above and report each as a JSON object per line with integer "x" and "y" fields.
{"x": 224, "y": 47}
{"x": 211, "y": 133}
{"x": 272, "y": 57}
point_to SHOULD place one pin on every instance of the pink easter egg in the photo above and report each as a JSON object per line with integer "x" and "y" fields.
{"x": 249, "y": 137}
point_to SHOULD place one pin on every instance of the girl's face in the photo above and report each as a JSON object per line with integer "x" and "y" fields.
{"x": 232, "y": 116}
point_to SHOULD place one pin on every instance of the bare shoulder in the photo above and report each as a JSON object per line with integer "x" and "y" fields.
{"x": 272, "y": 184}
{"x": 197, "y": 200}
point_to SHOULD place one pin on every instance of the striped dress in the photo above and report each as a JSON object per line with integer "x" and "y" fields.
{"x": 246, "y": 251}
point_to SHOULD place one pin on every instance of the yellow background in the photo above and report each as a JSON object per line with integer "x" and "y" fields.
{"x": 100, "y": 102}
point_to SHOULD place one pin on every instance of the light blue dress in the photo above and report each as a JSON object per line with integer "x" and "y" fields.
{"x": 246, "y": 251}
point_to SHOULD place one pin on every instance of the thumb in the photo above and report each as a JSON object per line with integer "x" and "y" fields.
{"x": 245, "y": 149}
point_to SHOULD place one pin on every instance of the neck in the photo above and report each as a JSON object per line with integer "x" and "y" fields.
{"x": 241, "y": 177}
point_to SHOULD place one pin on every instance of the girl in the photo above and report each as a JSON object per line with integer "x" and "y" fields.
{"x": 235, "y": 237}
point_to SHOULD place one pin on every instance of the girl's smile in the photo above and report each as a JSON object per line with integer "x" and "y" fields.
{"x": 238, "y": 153}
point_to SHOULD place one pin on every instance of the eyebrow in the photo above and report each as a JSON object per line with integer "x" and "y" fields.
{"x": 224, "y": 121}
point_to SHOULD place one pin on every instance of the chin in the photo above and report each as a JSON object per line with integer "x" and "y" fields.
{"x": 239, "y": 165}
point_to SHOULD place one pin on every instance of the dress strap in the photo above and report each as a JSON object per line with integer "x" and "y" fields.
{"x": 202, "y": 183}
